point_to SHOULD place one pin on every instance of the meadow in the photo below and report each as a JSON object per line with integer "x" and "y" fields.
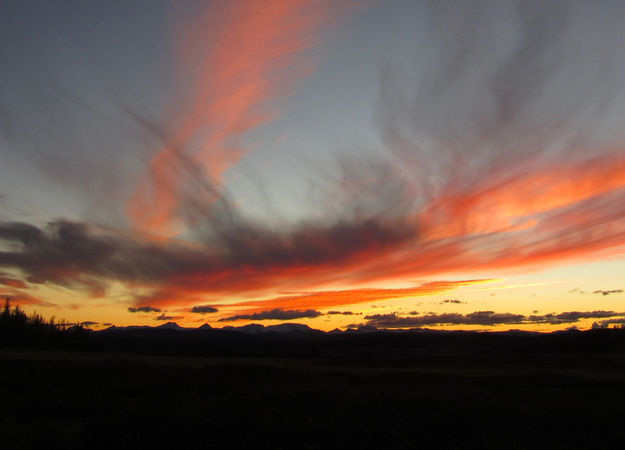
{"x": 72, "y": 400}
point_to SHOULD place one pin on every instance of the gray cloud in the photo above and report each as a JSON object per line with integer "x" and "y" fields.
{"x": 275, "y": 314}
{"x": 87, "y": 257}
{"x": 143, "y": 309}
{"x": 476, "y": 318}
{"x": 571, "y": 316}
{"x": 203, "y": 309}
{"x": 608, "y": 322}
{"x": 612, "y": 291}
{"x": 345, "y": 313}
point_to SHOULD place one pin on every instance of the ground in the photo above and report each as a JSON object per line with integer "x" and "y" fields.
{"x": 89, "y": 400}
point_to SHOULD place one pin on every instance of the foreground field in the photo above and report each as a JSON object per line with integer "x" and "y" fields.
{"x": 85, "y": 400}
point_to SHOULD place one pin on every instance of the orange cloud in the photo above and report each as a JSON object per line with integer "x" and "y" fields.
{"x": 325, "y": 299}
{"x": 12, "y": 282}
{"x": 501, "y": 203}
{"x": 569, "y": 213}
{"x": 248, "y": 260}
{"x": 241, "y": 56}
{"x": 18, "y": 297}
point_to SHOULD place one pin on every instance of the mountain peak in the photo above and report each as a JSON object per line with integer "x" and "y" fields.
{"x": 170, "y": 326}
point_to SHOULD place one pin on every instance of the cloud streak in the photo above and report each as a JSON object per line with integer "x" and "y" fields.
{"x": 356, "y": 296}
{"x": 19, "y": 297}
{"x": 12, "y": 282}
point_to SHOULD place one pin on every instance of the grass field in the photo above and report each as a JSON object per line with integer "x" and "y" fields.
{"x": 86, "y": 400}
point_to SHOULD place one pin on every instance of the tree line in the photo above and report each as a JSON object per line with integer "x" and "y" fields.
{"x": 18, "y": 329}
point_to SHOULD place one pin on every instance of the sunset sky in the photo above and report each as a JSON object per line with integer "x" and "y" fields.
{"x": 397, "y": 163}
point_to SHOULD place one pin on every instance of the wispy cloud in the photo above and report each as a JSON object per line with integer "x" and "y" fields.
{"x": 19, "y": 297}
{"x": 242, "y": 55}
{"x": 355, "y": 296}
{"x": 12, "y": 282}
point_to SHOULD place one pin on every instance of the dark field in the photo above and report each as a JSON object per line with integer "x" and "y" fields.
{"x": 69, "y": 399}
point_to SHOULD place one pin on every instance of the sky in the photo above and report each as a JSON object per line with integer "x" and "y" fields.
{"x": 338, "y": 163}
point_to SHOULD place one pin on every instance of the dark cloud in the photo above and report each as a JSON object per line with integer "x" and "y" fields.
{"x": 608, "y": 322}
{"x": 571, "y": 316}
{"x": 485, "y": 318}
{"x": 345, "y": 313}
{"x": 612, "y": 291}
{"x": 275, "y": 314}
{"x": 88, "y": 323}
{"x": 452, "y": 301}
{"x": 476, "y": 318}
{"x": 143, "y": 309}
{"x": 77, "y": 255}
{"x": 203, "y": 309}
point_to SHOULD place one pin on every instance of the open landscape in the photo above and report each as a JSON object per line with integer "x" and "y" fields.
{"x": 309, "y": 389}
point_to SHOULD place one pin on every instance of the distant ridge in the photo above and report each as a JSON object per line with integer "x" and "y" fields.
{"x": 249, "y": 329}
{"x": 299, "y": 340}
{"x": 302, "y": 329}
